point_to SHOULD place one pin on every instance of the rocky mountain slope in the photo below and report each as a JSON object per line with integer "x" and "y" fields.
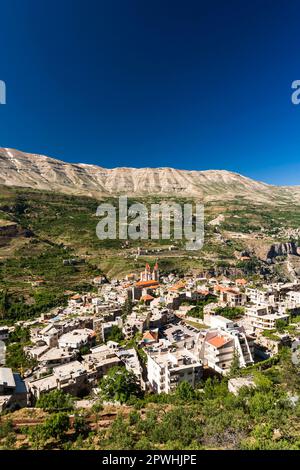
{"x": 40, "y": 172}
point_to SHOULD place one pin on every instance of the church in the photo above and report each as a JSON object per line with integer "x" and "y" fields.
{"x": 148, "y": 275}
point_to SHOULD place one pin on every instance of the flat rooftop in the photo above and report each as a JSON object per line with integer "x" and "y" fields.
{"x": 178, "y": 359}
{"x": 7, "y": 377}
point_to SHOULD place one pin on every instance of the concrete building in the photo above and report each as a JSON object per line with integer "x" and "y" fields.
{"x": 262, "y": 296}
{"x": 217, "y": 349}
{"x": 166, "y": 369}
{"x": 264, "y": 317}
{"x": 232, "y": 297}
{"x": 98, "y": 364}
{"x": 56, "y": 356}
{"x": 135, "y": 323}
{"x": 217, "y": 321}
{"x": 292, "y": 300}
{"x": 13, "y": 391}
{"x": 2, "y": 353}
{"x": 131, "y": 361}
{"x": 77, "y": 338}
{"x": 71, "y": 377}
{"x": 49, "y": 335}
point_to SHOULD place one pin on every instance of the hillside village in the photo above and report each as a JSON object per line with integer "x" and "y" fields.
{"x": 165, "y": 329}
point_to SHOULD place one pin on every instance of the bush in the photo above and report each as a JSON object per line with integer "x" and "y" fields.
{"x": 56, "y": 400}
{"x": 56, "y": 425}
{"x": 232, "y": 313}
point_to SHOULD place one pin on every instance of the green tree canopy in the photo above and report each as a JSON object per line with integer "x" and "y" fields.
{"x": 119, "y": 385}
{"x": 185, "y": 391}
{"x": 56, "y": 400}
{"x": 115, "y": 334}
{"x": 56, "y": 425}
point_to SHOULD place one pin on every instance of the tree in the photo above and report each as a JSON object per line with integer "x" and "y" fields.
{"x": 127, "y": 308}
{"x": 185, "y": 391}
{"x": 16, "y": 359}
{"x": 96, "y": 409}
{"x": 37, "y": 437}
{"x": 230, "y": 312}
{"x": 119, "y": 385}
{"x": 56, "y": 425}
{"x": 115, "y": 334}
{"x": 280, "y": 325}
{"x": 120, "y": 436}
{"x": 235, "y": 364}
{"x": 6, "y": 427}
{"x": 80, "y": 426}
{"x": 20, "y": 335}
{"x": 10, "y": 441}
{"x": 56, "y": 400}
{"x": 85, "y": 349}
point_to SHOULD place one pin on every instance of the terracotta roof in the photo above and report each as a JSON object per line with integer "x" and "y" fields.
{"x": 218, "y": 341}
{"x": 150, "y": 336}
{"x": 179, "y": 285}
{"x": 219, "y": 288}
{"x": 147, "y": 297}
{"x": 203, "y": 292}
{"x": 146, "y": 283}
{"x": 241, "y": 281}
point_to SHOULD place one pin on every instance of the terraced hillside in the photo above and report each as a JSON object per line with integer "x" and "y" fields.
{"x": 40, "y": 229}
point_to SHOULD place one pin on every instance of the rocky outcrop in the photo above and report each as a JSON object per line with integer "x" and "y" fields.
{"x": 40, "y": 172}
{"x": 282, "y": 249}
{"x": 10, "y": 230}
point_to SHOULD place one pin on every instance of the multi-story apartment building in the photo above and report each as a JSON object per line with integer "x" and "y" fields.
{"x": 167, "y": 368}
{"x": 135, "y": 323}
{"x": 262, "y": 296}
{"x": 292, "y": 300}
{"x": 71, "y": 378}
{"x": 218, "y": 347}
{"x": 77, "y": 338}
{"x": 232, "y": 297}
{"x": 264, "y": 317}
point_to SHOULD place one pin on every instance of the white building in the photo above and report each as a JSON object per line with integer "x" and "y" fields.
{"x": 262, "y": 296}
{"x": 264, "y": 317}
{"x": 292, "y": 299}
{"x": 217, "y": 321}
{"x": 166, "y": 369}
{"x": 218, "y": 346}
{"x": 76, "y": 338}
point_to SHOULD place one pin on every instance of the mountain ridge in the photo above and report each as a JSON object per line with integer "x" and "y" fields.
{"x": 22, "y": 169}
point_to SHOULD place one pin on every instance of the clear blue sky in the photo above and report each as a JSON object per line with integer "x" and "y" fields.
{"x": 187, "y": 84}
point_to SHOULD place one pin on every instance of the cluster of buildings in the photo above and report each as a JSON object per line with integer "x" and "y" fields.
{"x": 73, "y": 349}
